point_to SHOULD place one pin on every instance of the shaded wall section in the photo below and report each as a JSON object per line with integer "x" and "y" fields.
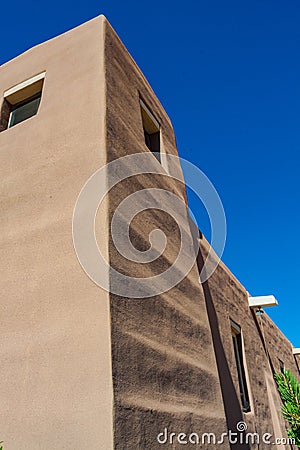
{"x": 264, "y": 349}
{"x": 164, "y": 369}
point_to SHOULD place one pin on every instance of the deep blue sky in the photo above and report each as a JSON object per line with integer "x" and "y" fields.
{"x": 228, "y": 74}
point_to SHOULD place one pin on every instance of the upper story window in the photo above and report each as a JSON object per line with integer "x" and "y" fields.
{"x": 23, "y": 110}
{"x": 21, "y": 102}
{"x": 239, "y": 359}
{"x": 151, "y": 130}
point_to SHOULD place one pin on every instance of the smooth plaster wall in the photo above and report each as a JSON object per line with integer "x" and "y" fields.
{"x": 56, "y": 380}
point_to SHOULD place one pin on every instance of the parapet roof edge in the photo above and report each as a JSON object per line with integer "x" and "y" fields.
{"x": 103, "y": 19}
{"x": 57, "y": 36}
{"x": 206, "y": 244}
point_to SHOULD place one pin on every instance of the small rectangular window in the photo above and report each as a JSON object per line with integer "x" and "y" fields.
{"x": 151, "y": 130}
{"x": 21, "y": 102}
{"x": 281, "y": 365}
{"x": 239, "y": 359}
{"x": 24, "y": 110}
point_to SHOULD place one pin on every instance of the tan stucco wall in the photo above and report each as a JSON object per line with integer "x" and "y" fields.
{"x": 55, "y": 379}
{"x": 82, "y": 368}
{"x": 264, "y": 345}
{"x": 164, "y": 367}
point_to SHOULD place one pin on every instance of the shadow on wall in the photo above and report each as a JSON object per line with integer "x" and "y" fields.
{"x": 270, "y": 383}
{"x": 297, "y": 365}
{"x": 231, "y": 401}
{"x": 262, "y": 338}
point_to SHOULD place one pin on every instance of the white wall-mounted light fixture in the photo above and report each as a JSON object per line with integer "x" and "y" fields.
{"x": 296, "y": 351}
{"x": 262, "y": 302}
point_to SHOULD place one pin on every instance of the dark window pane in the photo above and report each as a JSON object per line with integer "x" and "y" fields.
{"x": 24, "y": 110}
{"x": 281, "y": 365}
{"x": 238, "y": 353}
{"x": 153, "y": 143}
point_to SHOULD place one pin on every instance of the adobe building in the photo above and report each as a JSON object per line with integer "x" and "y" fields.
{"x": 82, "y": 367}
{"x": 247, "y": 380}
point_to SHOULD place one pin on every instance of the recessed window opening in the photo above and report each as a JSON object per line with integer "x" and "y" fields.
{"x": 23, "y": 110}
{"x": 239, "y": 359}
{"x": 21, "y": 102}
{"x": 151, "y": 130}
{"x": 281, "y": 365}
